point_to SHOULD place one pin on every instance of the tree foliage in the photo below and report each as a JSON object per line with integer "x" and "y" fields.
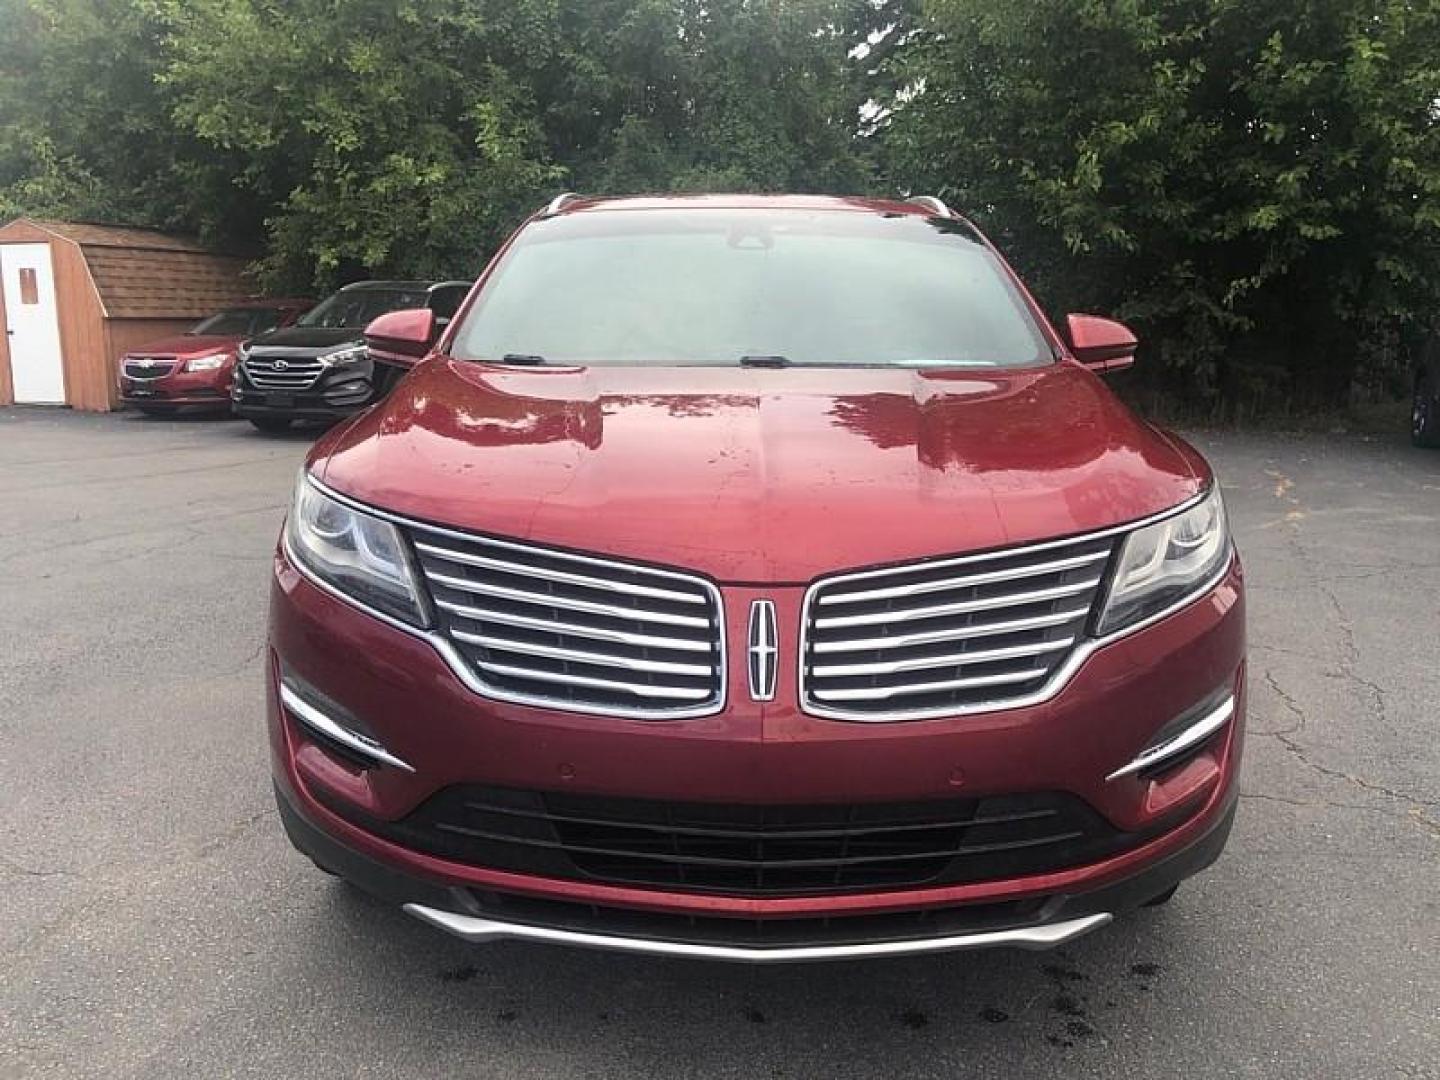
{"x": 1255, "y": 185}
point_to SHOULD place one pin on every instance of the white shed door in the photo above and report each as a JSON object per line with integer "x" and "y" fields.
{"x": 31, "y": 324}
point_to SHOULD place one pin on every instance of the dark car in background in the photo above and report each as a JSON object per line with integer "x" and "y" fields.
{"x": 319, "y": 368}
{"x": 194, "y": 369}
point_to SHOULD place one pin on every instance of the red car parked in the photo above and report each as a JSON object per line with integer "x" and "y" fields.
{"x": 757, "y": 579}
{"x": 196, "y": 368}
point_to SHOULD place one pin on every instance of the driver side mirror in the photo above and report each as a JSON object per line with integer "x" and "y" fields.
{"x": 401, "y": 337}
{"x": 1102, "y": 345}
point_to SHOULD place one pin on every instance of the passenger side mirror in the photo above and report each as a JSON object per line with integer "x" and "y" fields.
{"x": 1102, "y": 345}
{"x": 401, "y": 337}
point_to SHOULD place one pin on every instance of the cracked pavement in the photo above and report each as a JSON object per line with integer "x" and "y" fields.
{"x": 155, "y": 923}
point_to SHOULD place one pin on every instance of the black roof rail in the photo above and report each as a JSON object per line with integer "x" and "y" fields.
{"x": 931, "y": 203}
{"x": 555, "y": 205}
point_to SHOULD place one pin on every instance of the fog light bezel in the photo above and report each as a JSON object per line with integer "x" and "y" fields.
{"x": 318, "y": 721}
{"x": 1205, "y": 721}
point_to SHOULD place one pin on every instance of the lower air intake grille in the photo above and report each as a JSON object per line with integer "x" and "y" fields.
{"x": 756, "y": 850}
{"x": 578, "y": 632}
{"x": 949, "y": 636}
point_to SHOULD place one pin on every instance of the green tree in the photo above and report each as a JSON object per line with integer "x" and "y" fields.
{"x": 85, "y": 130}
{"x": 1256, "y": 186}
{"x": 752, "y": 95}
{"x": 382, "y": 137}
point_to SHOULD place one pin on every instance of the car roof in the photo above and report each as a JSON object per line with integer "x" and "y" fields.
{"x": 583, "y": 204}
{"x": 272, "y": 302}
{"x": 358, "y": 286}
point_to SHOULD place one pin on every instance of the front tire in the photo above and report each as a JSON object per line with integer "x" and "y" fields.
{"x": 1425, "y": 416}
{"x": 271, "y": 425}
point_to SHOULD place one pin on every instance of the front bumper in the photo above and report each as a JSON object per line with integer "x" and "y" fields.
{"x": 758, "y": 753}
{"x": 337, "y": 393}
{"x": 482, "y": 915}
{"x": 180, "y": 389}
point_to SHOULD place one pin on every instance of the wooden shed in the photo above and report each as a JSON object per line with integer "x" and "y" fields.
{"x": 74, "y": 297}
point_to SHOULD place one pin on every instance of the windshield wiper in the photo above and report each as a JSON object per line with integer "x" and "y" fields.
{"x": 764, "y": 361}
{"x": 523, "y": 359}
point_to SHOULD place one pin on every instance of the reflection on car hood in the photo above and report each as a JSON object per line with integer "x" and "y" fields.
{"x": 186, "y": 345}
{"x": 307, "y": 337}
{"x": 760, "y": 475}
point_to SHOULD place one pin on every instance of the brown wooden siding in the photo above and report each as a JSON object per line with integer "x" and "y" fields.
{"x": 88, "y": 384}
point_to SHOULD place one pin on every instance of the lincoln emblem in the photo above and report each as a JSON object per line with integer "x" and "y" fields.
{"x": 763, "y": 654}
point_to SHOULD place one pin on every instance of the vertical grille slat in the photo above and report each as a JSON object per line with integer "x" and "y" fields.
{"x": 574, "y": 631}
{"x": 948, "y": 636}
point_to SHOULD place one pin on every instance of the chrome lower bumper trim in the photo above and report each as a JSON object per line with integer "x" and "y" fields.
{"x": 475, "y": 929}
{"x": 1197, "y": 732}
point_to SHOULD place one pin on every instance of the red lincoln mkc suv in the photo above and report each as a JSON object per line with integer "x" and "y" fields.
{"x": 757, "y": 579}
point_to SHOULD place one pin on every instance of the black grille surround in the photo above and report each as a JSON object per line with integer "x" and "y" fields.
{"x": 749, "y": 850}
{"x": 573, "y": 631}
{"x": 149, "y": 367}
{"x": 945, "y": 637}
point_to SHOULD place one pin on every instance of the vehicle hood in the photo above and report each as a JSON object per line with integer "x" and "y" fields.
{"x": 185, "y": 345}
{"x": 760, "y": 475}
{"x": 308, "y": 337}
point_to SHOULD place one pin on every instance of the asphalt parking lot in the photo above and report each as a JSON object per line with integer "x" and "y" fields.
{"x": 154, "y": 922}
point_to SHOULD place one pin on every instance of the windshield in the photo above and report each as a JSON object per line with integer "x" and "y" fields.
{"x": 238, "y": 322}
{"x": 775, "y": 287}
{"x": 356, "y": 308}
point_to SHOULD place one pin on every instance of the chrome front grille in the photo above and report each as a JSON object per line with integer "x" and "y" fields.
{"x": 563, "y": 630}
{"x": 949, "y": 636}
{"x": 148, "y": 367}
{"x": 282, "y": 372}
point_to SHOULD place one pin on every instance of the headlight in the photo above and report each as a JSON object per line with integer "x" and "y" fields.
{"x": 1162, "y": 563}
{"x": 360, "y": 555}
{"x": 353, "y": 355}
{"x": 207, "y": 363}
